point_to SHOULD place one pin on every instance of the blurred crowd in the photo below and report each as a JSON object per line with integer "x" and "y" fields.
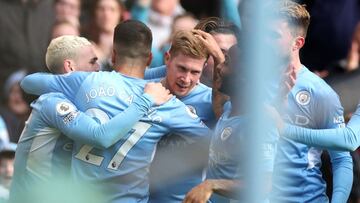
{"x": 332, "y": 48}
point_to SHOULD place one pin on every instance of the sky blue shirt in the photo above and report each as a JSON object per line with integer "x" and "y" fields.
{"x": 122, "y": 169}
{"x": 44, "y": 152}
{"x": 228, "y": 154}
{"x": 179, "y": 162}
{"x": 297, "y": 177}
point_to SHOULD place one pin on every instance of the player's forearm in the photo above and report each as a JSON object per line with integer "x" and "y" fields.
{"x": 36, "y": 83}
{"x": 224, "y": 187}
{"x": 335, "y": 139}
{"x": 342, "y": 178}
{"x": 107, "y": 134}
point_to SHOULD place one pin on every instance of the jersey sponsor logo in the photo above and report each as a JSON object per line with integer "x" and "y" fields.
{"x": 191, "y": 111}
{"x": 225, "y": 134}
{"x": 64, "y": 108}
{"x": 217, "y": 158}
{"x": 303, "y": 97}
{"x": 299, "y": 120}
{"x": 70, "y": 117}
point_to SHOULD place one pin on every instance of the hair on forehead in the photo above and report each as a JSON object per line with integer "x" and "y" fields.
{"x": 185, "y": 42}
{"x": 296, "y": 15}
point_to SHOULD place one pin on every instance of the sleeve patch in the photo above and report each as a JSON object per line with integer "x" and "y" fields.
{"x": 191, "y": 111}
{"x": 64, "y": 108}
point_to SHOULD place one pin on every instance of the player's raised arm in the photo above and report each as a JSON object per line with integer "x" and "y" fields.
{"x": 218, "y": 99}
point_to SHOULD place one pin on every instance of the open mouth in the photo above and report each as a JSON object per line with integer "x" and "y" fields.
{"x": 182, "y": 87}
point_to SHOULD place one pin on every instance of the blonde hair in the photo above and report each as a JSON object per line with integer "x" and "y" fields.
{"x": 187, "y": 43}
{"x": 61, "y": 48}
{"x": 296, "y": 15}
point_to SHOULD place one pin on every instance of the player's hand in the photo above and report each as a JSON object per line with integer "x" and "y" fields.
{"x": 287, "y": 83}
{"x": 211, "y": 45}
{"x": 199, "y": 194}
{"x": 158, "y": 92}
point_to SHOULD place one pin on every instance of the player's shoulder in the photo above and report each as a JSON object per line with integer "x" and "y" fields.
{"x": 178, "y": 108}
{"x": 202, "y": 89}
{"x": 49, "y": 99}
{"x": 173, "y": 103}
{"x": 312, "y": 85}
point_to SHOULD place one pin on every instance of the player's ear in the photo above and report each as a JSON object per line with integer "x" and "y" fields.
{"x": 113, "y": 54}
{"x": 167, "y": 57}
{"x": 150, "y": 58}
{"x": 68, "y": 66}
{"x": 298, "y": 43}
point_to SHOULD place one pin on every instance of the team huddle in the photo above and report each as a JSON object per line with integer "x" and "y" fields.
{"x": 159, "y": 135}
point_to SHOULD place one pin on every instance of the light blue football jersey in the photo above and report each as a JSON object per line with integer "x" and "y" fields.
{"x": 44, "y": 152}
{"x": 121, "y": 170}
{"x": 297, "y": 177}
{"x": 179, "y": 163}
{"x": 228, "y": 153}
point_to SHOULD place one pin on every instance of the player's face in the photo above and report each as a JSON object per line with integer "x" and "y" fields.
{"x": 87, "y": 60}
{"x": 280, "y": 39}
{"x": 227, "y": 72}
{"x": 183, "y": 73}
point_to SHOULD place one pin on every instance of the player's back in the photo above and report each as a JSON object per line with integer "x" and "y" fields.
{"x": 42, "y": 152}
{"x": 122, "y": 170}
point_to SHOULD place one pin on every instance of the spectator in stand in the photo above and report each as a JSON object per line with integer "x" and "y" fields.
{"x": 7, "y": 156}
{"x": 105, "y": 15}
{"x": 159, "y": 16}
{"x": 25, "y": 29}
{"x": 186, "y": 22}
{"x": 61, "y": 28}
{"x": 68, "y": 10}
{"x": 16, "y": 109}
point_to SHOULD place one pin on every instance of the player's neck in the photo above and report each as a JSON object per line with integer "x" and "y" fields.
{"x": 131, "y": 71}
{"x": 236, "y": 108}
{"x": 296, "y": 63}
